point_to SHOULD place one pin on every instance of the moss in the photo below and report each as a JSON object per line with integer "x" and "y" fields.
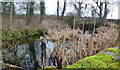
{"x": 106, "y": 59}
{"x": 118, "y": 45}
{"x": 13, "y": 35}
{"x": 114, "y": 65}
{"x": 99, "y": 60}
{"x": 88, "y": 63}
{"x": 20, "y": 36}
{"x": 114, "y": 50}
{"x": 92, "y": 62}
{"x": 50, "y": 67}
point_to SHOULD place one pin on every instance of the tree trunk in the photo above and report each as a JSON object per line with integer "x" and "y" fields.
{"x": 27, "y": 13}
{"x": 101, "y": 9}
{"x": 64, "y": 8}
{"x": 11, "y": 12}
{"x": 58, "y": 8}
{"x": 30, "y": 11}
{"x": 31, "y": 8}
{"x": 4, "y": 17}
{"x": 80, "y": 7}
{"x": 1, "y": 55}
{"x": 42, "y": 10}
{"x": 105, "y": 11}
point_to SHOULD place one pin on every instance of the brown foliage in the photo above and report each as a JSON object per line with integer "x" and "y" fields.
{"x": 83, "y": 45}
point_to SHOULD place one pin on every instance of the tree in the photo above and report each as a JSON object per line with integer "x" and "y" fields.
{"x": 102, "y": 8}
{"x": 64, "y": 8}
{"x": 93, "y": 11}
{"x": 5, "y": 7}
{"x": 58, "y": 8}
{"x": 11, "y": 11}
{"x": 42, "y": 10}
{"x": 106, "y": 10}
{"x": 79, "y": 8}
{"x": 30, "y": 11}
{"x": 8, "y": 9}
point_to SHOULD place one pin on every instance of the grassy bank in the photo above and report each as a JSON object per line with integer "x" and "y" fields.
{"x": 100, "y": 60}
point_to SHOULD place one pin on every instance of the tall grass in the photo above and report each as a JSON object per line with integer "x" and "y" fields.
{"x": 83, "y": 45}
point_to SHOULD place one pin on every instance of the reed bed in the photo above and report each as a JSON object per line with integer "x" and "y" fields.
{"x": 83, "y": 45}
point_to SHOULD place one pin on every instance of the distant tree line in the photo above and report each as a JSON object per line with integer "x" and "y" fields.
{"x": 100, "y": 9}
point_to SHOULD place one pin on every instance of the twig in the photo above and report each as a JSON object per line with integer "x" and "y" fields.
{"x": 12, "y": 66}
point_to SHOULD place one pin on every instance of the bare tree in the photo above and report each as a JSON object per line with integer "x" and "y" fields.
{"x": 102, "y": 7}
{"x": 30, "y": 11}
{"x": 8, "y": 9}
{"x": 79, "y": 8}
{"x": 64, "y": 8}
{"x": 11, "y": 11}
{"x": 42, "y": 10}
{"x": 93, "y": 11}
{"x": 58, "y": 8}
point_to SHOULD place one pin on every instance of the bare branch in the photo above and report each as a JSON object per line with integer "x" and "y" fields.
{"x": 12, "y": 66}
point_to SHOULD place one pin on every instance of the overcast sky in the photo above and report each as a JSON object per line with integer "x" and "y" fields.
{"x": 51, "y": 8}
{"x": 52, "y": 4}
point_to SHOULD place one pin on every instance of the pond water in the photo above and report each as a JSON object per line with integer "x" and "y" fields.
{"x": 25, "y": 58}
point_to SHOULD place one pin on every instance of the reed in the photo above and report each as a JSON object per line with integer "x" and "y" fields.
{"x": 82, "y": 46}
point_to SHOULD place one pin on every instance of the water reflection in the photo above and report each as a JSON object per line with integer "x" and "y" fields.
{"x": 26, "y": 59}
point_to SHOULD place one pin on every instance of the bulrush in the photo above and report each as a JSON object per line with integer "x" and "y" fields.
{"x": 83, "y": 45}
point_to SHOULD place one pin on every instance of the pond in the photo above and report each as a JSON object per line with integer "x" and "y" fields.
{"x": 26, "y": 59}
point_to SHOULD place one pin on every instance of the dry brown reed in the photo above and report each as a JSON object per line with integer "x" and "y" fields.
{"x": 83, "y": 45}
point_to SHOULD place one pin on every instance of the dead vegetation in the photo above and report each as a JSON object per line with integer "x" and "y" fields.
{"x": 19, "y": 22}
{"x": 83, "y": 45}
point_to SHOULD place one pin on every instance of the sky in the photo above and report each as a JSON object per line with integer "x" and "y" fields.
{"x": 52, "y": 4}
{"x": 51, "y": 8}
